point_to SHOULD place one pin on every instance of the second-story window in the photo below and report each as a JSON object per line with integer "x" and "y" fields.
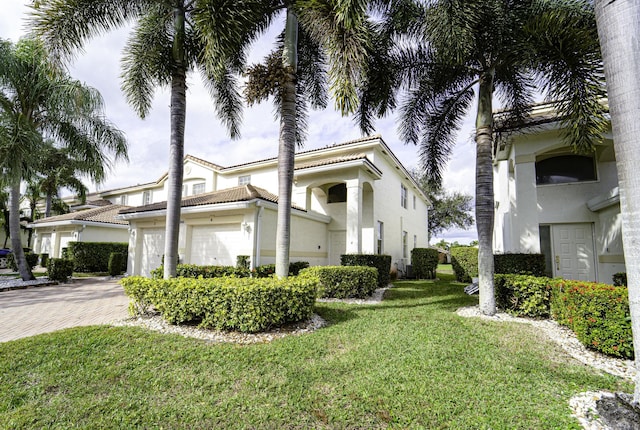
{"x": 146, "y": 198}
{"x": 198, "y": 188}
{"x": 244, "y": 180}
{"x": 414, "y": 202}
{"x": 123, "y": 200}
{"x": 403, "y": 196}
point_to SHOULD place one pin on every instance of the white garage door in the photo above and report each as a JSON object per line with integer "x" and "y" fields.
{"x": 216, "y": 245}
{"x": 152, "y": 250}
{"x": 65, "y": 238}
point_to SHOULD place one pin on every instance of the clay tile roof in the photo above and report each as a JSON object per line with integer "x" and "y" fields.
{"x": 104, "y": 214}
{"x": 328, "y": 161}
{"x": 229, "y": 195}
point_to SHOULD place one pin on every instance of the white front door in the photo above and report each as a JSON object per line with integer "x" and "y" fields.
{"x": 217, "y": 245}
{"x": 573, "y": 255}
{"x": 45, "y": 243}
{"x": 152, "y": 250}
{"x": 337, "y": 246}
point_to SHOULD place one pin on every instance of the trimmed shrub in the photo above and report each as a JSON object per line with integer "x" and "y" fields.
{"x": 59, "y": 269}
{"x": 94, "y": 256}
{"x": 597, "y": 313}
{"x": 267, "y": 270}
{"x": 116, "y": 263}
{"x": 296, "y": 266}
{"x": 343, "y": 282}
{"x": 44, "y": 259}
{"x": 464, "y": 261}
{"x": 32, "y": 260}
{"x": 524, "y": 295}
{"x": 195, "y": 271}
{"x": 380, "y": 262}
{"x": 620, "y": 279}
{"x": 245, "y": 304}
{"x": 424, "y": 262}
{"x": 519, "y": 264}
{"x": 243, "y": 261}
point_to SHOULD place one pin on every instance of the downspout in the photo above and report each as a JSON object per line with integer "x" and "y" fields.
{"x": 255, "y": 259}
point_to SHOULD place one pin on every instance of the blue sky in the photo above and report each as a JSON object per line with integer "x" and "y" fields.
{"x": 205, "y": 137}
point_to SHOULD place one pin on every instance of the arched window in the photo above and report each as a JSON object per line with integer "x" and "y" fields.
{"x": 337, "y": 194}
{"x": 564, "y": 169}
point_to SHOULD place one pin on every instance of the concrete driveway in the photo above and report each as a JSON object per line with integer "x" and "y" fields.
{"x": 82, "y": 302}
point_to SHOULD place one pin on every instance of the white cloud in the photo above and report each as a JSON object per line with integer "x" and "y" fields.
{"x": 205, "y": 136}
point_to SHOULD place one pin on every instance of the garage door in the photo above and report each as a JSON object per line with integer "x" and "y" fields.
{"x": 217, "y": 245}
{"x": 65, "y": 238}
{"x": 152, "y": 250}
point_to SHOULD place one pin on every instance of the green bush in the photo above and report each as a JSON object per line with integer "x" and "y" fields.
{"x": 296, "y": 266}
{"x": 597, "y": 313}
{"x": 519, "y": 264}
{"x": 620, "y": 279}
{"x": 228, "y": 303}
{"x": 464, "y": 261}
{"x": 424, "y": 262}
{"x": 59, "y": 269}
{"x": 94, "y": 256}
{"x": 243, "y": 261}
{"x": 32, "y": 260}
{"x": 380, "y": 262}
{"x": 116, "y": 263}
{"x": 195, "y": 271}
{"x": 523, "y": 295}
{"x": 44, "y": 259}
{"x": 343, "y": 282}
{"x": 267, "y": 270}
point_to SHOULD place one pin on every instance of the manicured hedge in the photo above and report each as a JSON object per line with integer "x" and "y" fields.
{"x": 116, "y": 263}
{"x": 59, "y": 269}
{"x": 195, "y": 271}
{"x": 44, "y": 259}
{"x": 464, "y": 261}
{"x": 524, "y": 295}
{"x": 520, "y": 264}
{"x": 424, "y": 262}
{"x": 32, "y": 260}
{"x": 228, "y": 303}
{"x": 620, "y": 279}
{"x": 597, "y": 313}
{"x": 380, "y": 262}
{"x": 94, "y": 256}
{"x": 343, "y": 282}
{"x": 267, "y": 270}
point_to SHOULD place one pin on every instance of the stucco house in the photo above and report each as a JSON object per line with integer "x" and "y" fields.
{"x": 353, "y": 197}
{"x": 551, "y": 200}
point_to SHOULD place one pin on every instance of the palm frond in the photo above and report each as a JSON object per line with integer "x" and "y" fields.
{"x": 223, "y": 89}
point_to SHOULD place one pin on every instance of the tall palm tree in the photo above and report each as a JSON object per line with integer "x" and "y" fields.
{"x": 171, "y": 38}
{"x": 619, "y": 30}
{"x": 38, "y": 99}
{"x": 324, "y": 45}
{"x": 468, "y": 53}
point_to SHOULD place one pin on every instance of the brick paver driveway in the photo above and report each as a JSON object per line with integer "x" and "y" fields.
{"x": 38, "y": 310}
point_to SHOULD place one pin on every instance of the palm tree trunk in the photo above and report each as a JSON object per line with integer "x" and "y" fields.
{"x": 14, "y": 231}
{"x": 619, "y": 30}
{"x": 287, "y": 146}
{"x": 484, "y": 194}
{"x": 176, "y": 146}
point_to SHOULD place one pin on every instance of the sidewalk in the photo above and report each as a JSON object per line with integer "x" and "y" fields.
{"x": 82, "y": 302}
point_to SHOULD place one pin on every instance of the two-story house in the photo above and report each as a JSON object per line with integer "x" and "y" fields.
{"x": 353, "y": 197}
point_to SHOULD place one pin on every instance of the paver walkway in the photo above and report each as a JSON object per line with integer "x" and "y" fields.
{"x": 83, "y": 302}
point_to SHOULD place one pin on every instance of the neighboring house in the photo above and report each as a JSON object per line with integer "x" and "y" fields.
{"x": 354, "y": 197}
{"x": 550, "y": 200}
{"x": 93, "y": 224}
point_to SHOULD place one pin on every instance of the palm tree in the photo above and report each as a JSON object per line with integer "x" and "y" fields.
{"x": 618, "y": 27}
{"x": 470, "y": 53}
{"x": 170, "y": 39}
{"x": 324, "y": 41}
{"x": 38, "y": 99}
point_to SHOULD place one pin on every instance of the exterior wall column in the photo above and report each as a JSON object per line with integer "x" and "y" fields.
{"x": 525, "y": 221}
{"x": 354, "y": 216}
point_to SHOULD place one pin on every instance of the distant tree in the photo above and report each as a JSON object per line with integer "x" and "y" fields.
{"x": 443, "y": 244}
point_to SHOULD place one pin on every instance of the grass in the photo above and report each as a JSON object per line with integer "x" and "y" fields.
{"x": 409, "y": 362}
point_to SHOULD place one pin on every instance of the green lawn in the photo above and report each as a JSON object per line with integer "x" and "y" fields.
{"x": 410, "y": 362}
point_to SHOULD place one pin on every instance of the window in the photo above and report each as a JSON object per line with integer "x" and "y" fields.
{"x": 403, "y": 196}
{"x": 244, "y": 180}
{"x": 123, "y": 200}
{"x": 414, "y": 202}
{"x": 415, "y": 241}
{"x": 337, "y": 194}
{"x": 198, "y": 188}
{"x": 146, "y": 198}
{"x": 185, "y": 190}
{"x": 565, "y": 169}
{"x": 380, "y": 238}
{"x": 405, "y": 245}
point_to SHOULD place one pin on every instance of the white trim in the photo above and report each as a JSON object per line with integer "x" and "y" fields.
{"x": 77, "y": 222}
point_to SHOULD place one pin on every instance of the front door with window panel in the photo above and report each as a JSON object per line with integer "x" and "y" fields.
{"x": 572, "y": 251}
